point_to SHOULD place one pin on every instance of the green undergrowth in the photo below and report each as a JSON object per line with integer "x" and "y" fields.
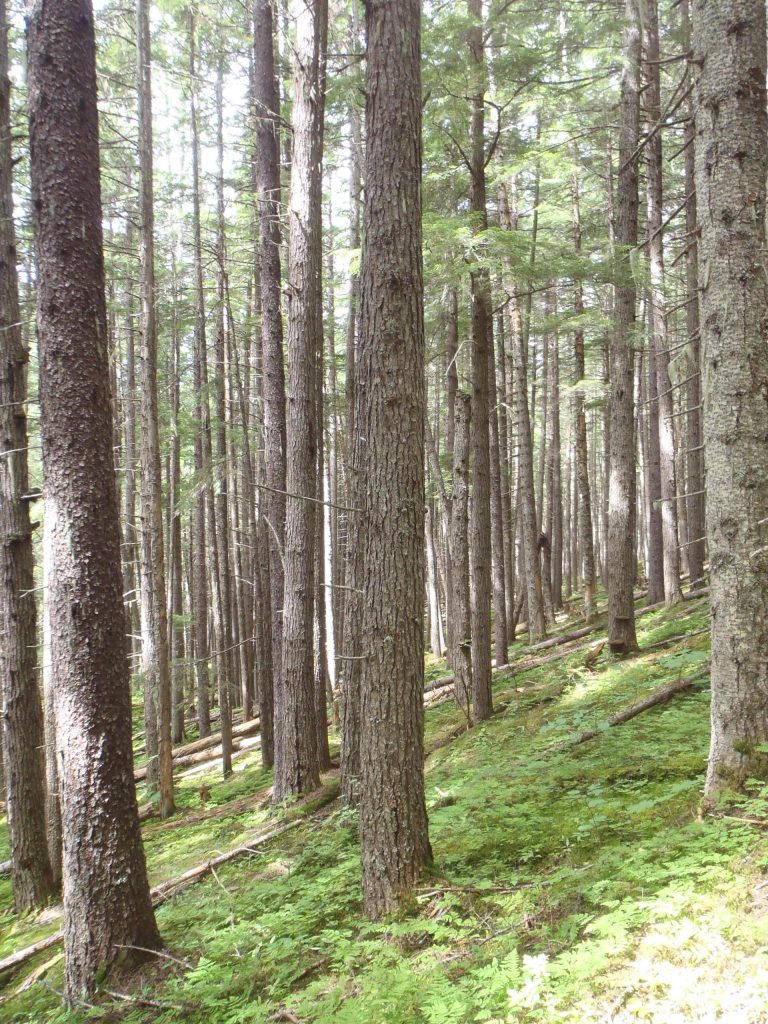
{"x": 573, "y": 885}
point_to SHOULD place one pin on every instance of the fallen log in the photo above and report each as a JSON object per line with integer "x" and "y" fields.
{"x": 661, "y": 696}
{"x": 160, "y": 893}
{"x": 182, "y": 755}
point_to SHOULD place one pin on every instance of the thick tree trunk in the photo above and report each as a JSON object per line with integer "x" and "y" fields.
{"x": 52, "y": 795}
{"x": 620, "y": 550}
{"x": 267, "y": 104}
{"x": 106, "y": 895}
{"x": 393, "y": 819}
{"x": 22, "y": 717}
{"x": 729, "y": 68}
{"x": 154, "y": 622}
{"x": 297, "y": 769}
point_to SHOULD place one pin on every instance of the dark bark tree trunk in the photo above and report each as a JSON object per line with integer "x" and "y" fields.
{"x": 297, "y": 769}
{"x": 480, "y": 508}
{"x": 267, "y": 104}
{"x": 620, "y": 550}
{"x": 154, "y": 628}
{"x": 22, "y": 717}
{"x": 107, "y": 904}
{"x": 729, "y": 67}
{"x": 497, "y": 512}
{"x": 52, "y": 795}
{"x": 393, "y": 819}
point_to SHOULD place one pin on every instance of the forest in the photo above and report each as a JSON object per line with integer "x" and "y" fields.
{"x": 383, "y": 511}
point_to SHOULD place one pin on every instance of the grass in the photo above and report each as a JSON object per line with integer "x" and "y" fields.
{"x": 570, "y": 886}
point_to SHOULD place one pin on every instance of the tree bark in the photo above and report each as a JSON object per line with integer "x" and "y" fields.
{"x": 154, "y": 622}
{"x": 106, "y": 895}
{"x": 620, "y": 550}
{"x": 393, "y": 820}
{"x": 461, "y": 635}
{"x": 267, "y": 104}
{"x": 729, "y": 67}
{"x": 297, "y": 769}
{"x": 22, "y": 717}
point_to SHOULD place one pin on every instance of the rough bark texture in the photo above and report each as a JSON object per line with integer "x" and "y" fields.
{"x": 620, "y": 549}
{"x": 267, "y": 103}
{"x": 393, "y": 818}
{"x": 297, "y": 768}
{"x": 154, "y": 624}
{"x": 106, "y": 895}
{"x": 729, "y": 62}
{"x": 22, "y": 717}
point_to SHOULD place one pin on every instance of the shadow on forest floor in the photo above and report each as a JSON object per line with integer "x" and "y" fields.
{"x": 576, "y": 885}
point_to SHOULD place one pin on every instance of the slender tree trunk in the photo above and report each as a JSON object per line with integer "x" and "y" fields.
{"x": 22, "y": 717}
{"x": 497, "y": 511}
{"x": 658, "y": 319}
{"x": 297, "y": 767}
{"x": 267, "y": 104}
{"x": 202, "y": 427}
{"x": 461, "y": 636}
{"x": 620, "y": 552}
{"x": 729, "y": 67}
{"x": 107, "y": 907}
{"x": 154, "y": 629}
{"x": 480, "y": 509}
{"x": 582, "y": 511}
{"x": 393, "y": 819}
{"x": 694, "y": 432}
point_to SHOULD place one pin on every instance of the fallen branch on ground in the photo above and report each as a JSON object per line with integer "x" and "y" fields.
{"x": 660, "y": 696}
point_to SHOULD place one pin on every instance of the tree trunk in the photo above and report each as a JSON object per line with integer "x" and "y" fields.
{"x": 106, "y": 895}
{"x": 268, "y": 191}
{"x": 154, "y": 627}
{"x": 729, "y": 67}
{"x": 461, "y": 636}
{"x": 694, "y": 432}
{"x": 393, "y": 819}
{"x": 480, "y": 508}
{"x": 297, "y": 769}
{"x": 620, "y": 551}
{"x": 22, "y": 718}
{"x": 202, "y": 426}
{"x": 658, "y": 319}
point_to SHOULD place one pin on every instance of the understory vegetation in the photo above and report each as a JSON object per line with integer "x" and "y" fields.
{"x": 570, "y": 883}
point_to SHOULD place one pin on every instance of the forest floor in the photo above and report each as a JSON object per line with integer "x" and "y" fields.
{"x": 574, "y": 884}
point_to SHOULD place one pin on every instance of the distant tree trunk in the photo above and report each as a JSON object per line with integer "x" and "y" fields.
{"x": 620, "y": 551}
{"x": 267, "y": 103}
{"x": 461, "y": 635}
{"x": 349, "y": 657}
{"x": 694, "y": 432}
{"x": 107, "y": 907}
{"x": 497, "y": 511}
{"x": 202, "y": 426}
{"x": 130, "y": 547}
{"x": 53, "y": 798}
{"x": 393, "y": 819}
{"x": 652, "y": 476}
{"x": 729, "y": 67}
{"x": 22, "y": 719}
{"x": 221, "y": 498}
{"x": 175, "y": 607}
{"x": 658, "y": 320}
{"x": 154, "y": 629}
{"x": 297, "y": 769}
{"x": 480, "y": 508}
{"x": 582, "y": 511}
{"x": 554, "y": 473}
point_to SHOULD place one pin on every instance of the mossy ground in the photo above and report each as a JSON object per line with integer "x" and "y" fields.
{"x": 577, "y": 885}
